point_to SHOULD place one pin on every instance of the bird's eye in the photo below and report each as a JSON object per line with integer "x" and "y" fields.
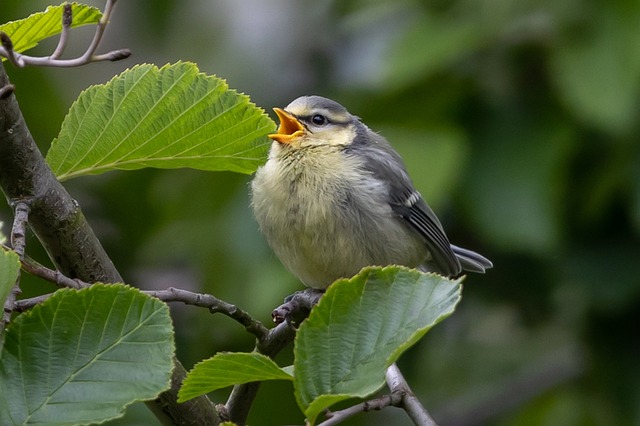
{"x": 319, "y": 120}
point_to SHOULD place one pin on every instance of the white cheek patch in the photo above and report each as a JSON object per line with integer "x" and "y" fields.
{"x": 332, "y": 137}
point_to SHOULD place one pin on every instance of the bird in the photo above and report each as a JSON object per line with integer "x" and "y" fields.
{"x": 334, "y": 197}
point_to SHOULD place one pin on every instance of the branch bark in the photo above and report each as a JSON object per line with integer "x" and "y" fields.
{"x": 59, "y": 224}
{"x": 410, "y": 404}
{"x": 18, "y": 242}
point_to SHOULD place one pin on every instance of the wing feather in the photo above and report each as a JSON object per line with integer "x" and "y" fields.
{"x": 384, "y": 163}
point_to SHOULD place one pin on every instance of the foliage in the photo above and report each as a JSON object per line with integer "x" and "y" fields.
{"x": 28, "y": 32}
{"x": 166, "y": 118}
{"x": 358, "y": 329}
{"x": 227, "y": 369}
{"x": 517, "y": 120}
{"x": 82, "y": 356}
{"x": 9, "y": 269}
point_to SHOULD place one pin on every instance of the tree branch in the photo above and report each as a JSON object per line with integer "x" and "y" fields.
{"x": 411, "y": 404}
{"x": 18, "y": 242}
{"x": 242, "y": 396}
{"x": 336, "y": 417}
{"x": 297, "y": 306}
{"x": 269, "y": 342}
{"x": 59, "y": 224}
{"x": 20, "y": 60}
{"x": 214, "y": 305}
{"x": 401, "y": 396}
{"x": 67, "y": 20}
{"x": 171, "y": 294}
{"x": 295, "y": 309}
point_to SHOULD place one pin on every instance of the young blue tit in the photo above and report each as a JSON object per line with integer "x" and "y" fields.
{"x": 335, "y": 197}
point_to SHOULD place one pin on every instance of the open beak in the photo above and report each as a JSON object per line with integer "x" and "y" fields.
{"x": 290, "y": 128}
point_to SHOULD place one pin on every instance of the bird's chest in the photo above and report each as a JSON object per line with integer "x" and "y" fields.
{"x": 307, "y": 198}
{"x": 314, "y": 190}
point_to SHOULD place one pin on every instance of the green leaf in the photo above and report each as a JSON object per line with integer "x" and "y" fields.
{"x": 28, "y": 32}
{"x": 170, "y": 117}
{"x": 360, "y": 327}
{"x": 9, "y": 268}
{"x": 228, "y": 369}
{"x": 82, "y": 356}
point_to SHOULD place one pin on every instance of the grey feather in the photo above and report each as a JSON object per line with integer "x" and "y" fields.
{"x": 387, "y": 165}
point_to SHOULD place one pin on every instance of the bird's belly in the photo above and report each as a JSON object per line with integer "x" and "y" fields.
{"x": 323, "y": 229}
{"x": 321, "y": 242}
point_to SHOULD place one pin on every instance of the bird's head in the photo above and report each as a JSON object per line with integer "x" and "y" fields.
{"x": 314, "y": 120}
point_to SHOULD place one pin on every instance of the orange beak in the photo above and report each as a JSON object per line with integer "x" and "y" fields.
{"x": 290, "y": 128}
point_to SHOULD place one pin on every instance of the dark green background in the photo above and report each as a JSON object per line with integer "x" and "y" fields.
{"x": 518, "y": 121}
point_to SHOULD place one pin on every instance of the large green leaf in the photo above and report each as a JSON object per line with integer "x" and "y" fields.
{"x": 166, "y": 117}
{"x": 360, "y": 327}
{"x": 82, "y": 356}
{"x": 28, "y": 32}
{"x": 9, "y": 268}
{"x": 228, "y": 369}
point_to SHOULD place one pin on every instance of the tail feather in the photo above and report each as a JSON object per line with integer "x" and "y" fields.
{"x": 471, "y": 261}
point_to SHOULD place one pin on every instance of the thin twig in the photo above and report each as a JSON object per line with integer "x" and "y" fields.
{"x": 171, "y": 294}
{"x": 336, "y": 417}
{"x": 6, "y": 91}
{"x": 67, "y": 20}
{"x": 19, "y": 229}
{"x": 294, "y": 310}
{"x": 26, "y": 304}
{"x": 102, "y": 25}
{"x": 241, "y": 398}
{"x": 411, "y": 404}
{"x": 214, "y": 305}
{"x": 19, "y": 60}
{"x": 18, "y": 242}
{"x": 7, "y": 49}
{"x": 36, "y": 269}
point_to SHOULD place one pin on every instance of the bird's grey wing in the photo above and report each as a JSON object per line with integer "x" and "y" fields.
{"x": 384, "y": 163}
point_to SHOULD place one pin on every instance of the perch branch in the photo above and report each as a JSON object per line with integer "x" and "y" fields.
{"x": 171, "y": 294}
{"x": 295, "y": 309}
{"x": 297, "y": 306}
{"x": 336, "y": 417}
{"x": 241, "y": 398}
{"x": 214, "y": 305}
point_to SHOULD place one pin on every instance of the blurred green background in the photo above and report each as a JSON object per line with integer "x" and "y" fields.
{"x": 519, "y": 121}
